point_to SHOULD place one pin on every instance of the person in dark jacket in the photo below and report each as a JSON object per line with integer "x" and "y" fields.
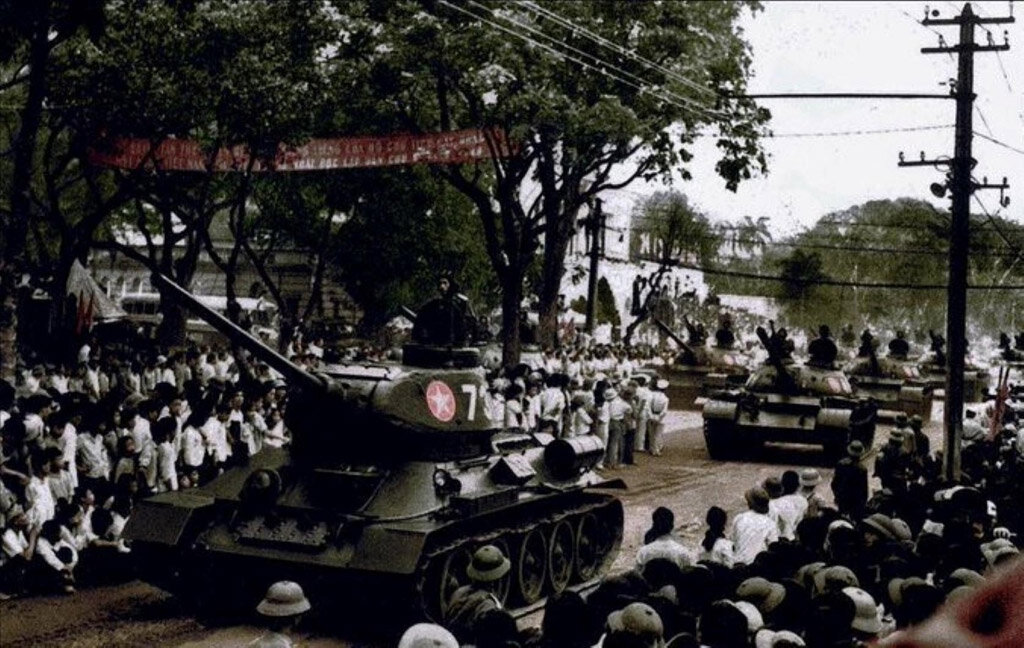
{"x": 850, "y": 481}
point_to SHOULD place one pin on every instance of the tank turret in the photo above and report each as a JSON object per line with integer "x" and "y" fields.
{"x": 699, "y": 370}
{"x": 397, "y": 473}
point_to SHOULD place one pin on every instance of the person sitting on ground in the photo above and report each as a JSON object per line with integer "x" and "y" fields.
{"x": 660, "y": 541}
{"x": 485, "y": 571}
{"x": 55, "y": 560}
{"x": 791, "y": 506}
{"x": 715, "y": 547}
{"x": 753, "y": 530}
{"x": 281, "y": 609}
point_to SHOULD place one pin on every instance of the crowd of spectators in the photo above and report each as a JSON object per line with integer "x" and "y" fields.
{"x": 808, "y": 563}
{"x": 80, "y": 445}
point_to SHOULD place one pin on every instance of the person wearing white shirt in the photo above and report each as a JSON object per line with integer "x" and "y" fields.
{"x": 39, "y": 497}
{"x": 658, "y": 409}
{"x": 514, "y": 408}
{"x": 581, "y": 419}
{"x": 618, "y": 411}
{"x": 215, "y": 435}
{"x": 552, "y": 405}
{"x": 64, "y": 437}
{"x": 661, "y": 543}
{"x": 193, "y": 446}
{"x": 642, "y": 412}
{"x": 791, "y": 506}
{"x": 531, "y": 408}
{"x": 276, "y": 436}
{"x": 59, "y": 556}
{"x": 716, "y": 547}
{"x": 753, "y": 530}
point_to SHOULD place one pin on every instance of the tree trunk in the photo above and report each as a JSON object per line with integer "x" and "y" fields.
{"x": 171, "y": 331}
{"x": 556, "y": 245}
{"x": 511, "y": 305}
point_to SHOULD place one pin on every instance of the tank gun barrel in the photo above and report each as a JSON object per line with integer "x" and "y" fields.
{"x": 672, "y": 334}
{"x": 293, "y": 373}
{"x": 409, "y": 313}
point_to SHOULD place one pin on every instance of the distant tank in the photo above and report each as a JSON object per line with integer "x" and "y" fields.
{"x": 698, "y": 370}
{"x": 894, "y": 382}
{"x": 394, "y": 477}
{"x": 787, "y": 402}
{"x": 932, "y": 366}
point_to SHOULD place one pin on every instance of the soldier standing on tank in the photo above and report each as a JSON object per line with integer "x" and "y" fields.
{"x": 822, "y": 350}
{"x": 724, "y": 337}
{"x": 444, "y": 319}
{"x": 899, "y": 348}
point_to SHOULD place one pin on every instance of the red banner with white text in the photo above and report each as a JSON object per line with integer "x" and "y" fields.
{"x": 456, "y": 147}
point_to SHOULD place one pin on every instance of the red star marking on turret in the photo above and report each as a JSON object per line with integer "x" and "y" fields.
{"x": 441, "y": 401}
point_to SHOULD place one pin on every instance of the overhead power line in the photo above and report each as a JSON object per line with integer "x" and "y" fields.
{"x": 844, "y": 95}
{"x": 833, "y": 282}
{"x": 564, "y": 55}
{"x": 869, "y": 131}
{"x": 882, "y": 250}
{"x": 999, "y": 143}
{"x": 601, "y": 40}
{"x": 597, "y": 60}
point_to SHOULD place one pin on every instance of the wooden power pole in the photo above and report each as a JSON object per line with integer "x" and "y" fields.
{"x": 961, "y": 185}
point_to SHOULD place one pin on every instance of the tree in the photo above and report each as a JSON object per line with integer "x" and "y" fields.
{"x": 673, "y": 230}
{"x": 29, "y": 35}
{"x": 568, "y": 127}
{"x": 800, "y": 272}
{"x": 224, "y": 73}
{"x": 749, "y": 237}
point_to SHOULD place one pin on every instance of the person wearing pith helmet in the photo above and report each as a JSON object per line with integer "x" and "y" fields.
{"x": 282, "y": 608}
{"x": 486, "y": 570}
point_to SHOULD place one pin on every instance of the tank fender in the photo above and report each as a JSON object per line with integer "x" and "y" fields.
{"x": 720, "y": 410}
{"x": 915, "y": 393}
{"x": 388, "y": 550}
{"x": 163, "y": 519}
{"x": 833, "y": 418}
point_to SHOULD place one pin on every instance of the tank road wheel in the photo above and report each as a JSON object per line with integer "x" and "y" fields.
{"x": 561, "y": 556}
{"x": 450, "y": 576}
{"x": 531, "y": 566}
{"x": 594, "y": 542}
{"x": 505, "y": 584}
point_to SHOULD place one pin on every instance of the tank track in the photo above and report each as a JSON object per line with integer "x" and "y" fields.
{"x": 509, "y": 536}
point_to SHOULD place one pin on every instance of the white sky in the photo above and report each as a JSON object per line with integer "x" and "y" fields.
{"x": 861, "y": 47}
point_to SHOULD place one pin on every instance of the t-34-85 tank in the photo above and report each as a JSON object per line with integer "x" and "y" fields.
{"x": 698, "y": 369}
{"x": 394, "y": 477}
{"x": 932, "y": 366}
{"x": 790, "y": 403}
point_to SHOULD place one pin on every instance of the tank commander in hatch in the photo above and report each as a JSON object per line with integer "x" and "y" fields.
{"x": 822, "y": 350}
{"x": 445, "y": 320}
{"x": 899, "y": 347}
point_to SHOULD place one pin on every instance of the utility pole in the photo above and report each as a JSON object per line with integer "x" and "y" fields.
{"x": 594, "y": 224}
{"x": 961, "y": 186}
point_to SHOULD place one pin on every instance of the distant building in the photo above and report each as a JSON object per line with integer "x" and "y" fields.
{"x": 620, "y": 267}
{"x": 291, "y": 268}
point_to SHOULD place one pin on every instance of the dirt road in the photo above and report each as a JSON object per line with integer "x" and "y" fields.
{"x": 683, "y": 478}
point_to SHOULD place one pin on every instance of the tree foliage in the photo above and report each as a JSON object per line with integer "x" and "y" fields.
{"x": 462, "y": 66}
{"x": 665, "y": 228}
